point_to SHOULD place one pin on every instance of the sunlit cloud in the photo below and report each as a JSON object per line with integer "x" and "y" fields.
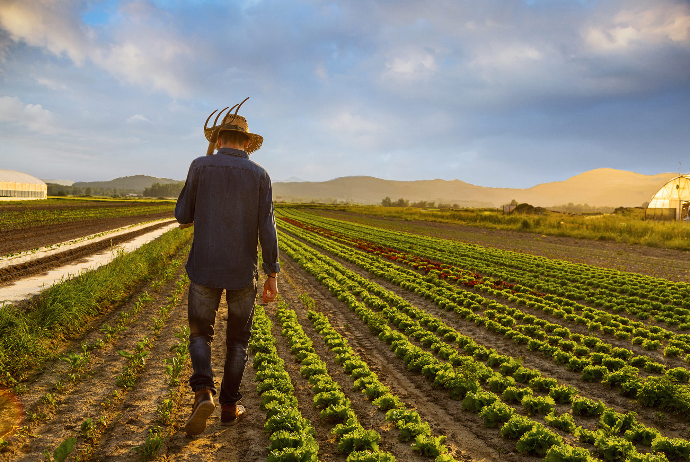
{"x": 47, "y": 24}
{"x": 642, "y": 27}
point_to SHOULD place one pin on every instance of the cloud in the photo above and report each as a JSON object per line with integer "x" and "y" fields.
{"x": 52, "y": 84}
{"x": 631, "y": 28}
{"x": 47, "y": 24}
{"x": 154, "y": 61}
{"x": 137, "y": 118}
{"x": 138, "y": 53}
{"x": 413, "y": 65}
{"x": 30, "y": 116}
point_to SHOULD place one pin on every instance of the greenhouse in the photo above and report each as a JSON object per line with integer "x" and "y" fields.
{"x": 672, "y": 200}
{"x": 21, "y": 186}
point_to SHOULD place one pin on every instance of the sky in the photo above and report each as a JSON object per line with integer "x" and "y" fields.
{"x": 499, "y": 93}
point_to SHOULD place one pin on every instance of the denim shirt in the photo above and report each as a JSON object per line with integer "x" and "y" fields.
{"x": 230, "y": 201}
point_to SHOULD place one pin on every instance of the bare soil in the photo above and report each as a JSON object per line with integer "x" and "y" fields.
{"x": 41, "y": 265}
{"x": 12, "y": 241}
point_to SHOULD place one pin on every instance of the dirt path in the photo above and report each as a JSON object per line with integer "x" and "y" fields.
{"x": 245, "y": 441}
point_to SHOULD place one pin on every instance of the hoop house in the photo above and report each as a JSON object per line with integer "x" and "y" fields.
{"x": 671, "y": 201}
{"x": 21, "y": 186}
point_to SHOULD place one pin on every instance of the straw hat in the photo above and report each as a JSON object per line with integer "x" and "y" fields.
{"x": 231, "y": 122}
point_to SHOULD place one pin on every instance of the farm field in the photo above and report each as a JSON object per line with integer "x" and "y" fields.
{"x": 537, "y": 336}
{"x": 653, "y": 261}
{"x": 14, "y": 267}
{"x": 628, "y": 227}
{"x": 29, "y": 225}
{"x": 384, "y": 345}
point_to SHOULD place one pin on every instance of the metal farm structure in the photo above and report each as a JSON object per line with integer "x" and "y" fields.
{"x": 21, "y": 186}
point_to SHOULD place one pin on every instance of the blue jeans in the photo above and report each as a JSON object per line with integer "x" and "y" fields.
{"x": 202, "y": 309}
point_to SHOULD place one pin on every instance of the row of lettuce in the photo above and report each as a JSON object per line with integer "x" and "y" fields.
{"x": 637, "y": 295}
{"x": 291, "y": 435}
{"x": 607, "y": 364}
{"x": 645, "y": 338}
{"x": 478, "y": 384}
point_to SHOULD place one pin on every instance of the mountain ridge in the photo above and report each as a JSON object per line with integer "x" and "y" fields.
{"x": 603, "y": 187}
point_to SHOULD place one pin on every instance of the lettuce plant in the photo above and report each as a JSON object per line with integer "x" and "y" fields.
{"x": 562, "y": 422}
{"x": 587, "y": 407}
{"x": 562, "y": 394}
{"x": 538, "y": 440}
{"x": 516, "y": 426}
{"x": 496, "y": 413}
{"x": 565, "y": 453}
{"x": 538, "y": 404}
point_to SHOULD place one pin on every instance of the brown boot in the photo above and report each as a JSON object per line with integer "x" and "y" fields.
{"x": 201, "y": 410}
{"x": 231, "y": 413}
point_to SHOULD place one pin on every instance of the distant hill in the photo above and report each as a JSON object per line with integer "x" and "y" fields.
{"x": 604, "y": 187}
{"x": 136, "y": 183}
{"x": 60, "y": 182}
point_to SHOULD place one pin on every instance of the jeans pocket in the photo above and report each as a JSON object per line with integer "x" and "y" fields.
{"x": 203, "y": 291}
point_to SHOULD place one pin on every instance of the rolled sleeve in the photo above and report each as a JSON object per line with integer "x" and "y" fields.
{"x": 184, "y": 209}
{"x": 268, "y": 236}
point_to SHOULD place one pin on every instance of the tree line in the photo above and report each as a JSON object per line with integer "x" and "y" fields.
{"x": 163, "y": 190}
{"x": 387, "y": 202}
{"x": 62, "y": 190}
{"x": 156, "y": 190}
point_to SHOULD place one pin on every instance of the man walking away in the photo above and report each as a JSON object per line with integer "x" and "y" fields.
{"x": 228, "y": 198}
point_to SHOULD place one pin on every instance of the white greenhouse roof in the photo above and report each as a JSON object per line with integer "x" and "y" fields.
{"x": 10, "y": 176}
{"x": 672, "y": 193}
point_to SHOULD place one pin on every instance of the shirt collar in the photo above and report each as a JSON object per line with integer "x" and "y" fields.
{"x": 233, "y": 152}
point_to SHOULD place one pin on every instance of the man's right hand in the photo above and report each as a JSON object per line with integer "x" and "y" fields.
{"x": 186, "y": 225}
{"x": 270, "y": 288}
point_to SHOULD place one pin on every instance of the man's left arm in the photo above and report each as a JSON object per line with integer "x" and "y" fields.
{"x": 268, "y": 237}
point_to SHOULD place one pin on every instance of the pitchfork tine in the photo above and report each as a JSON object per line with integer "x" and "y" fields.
{"x": 214, "y": 122}
{"x": 228, "y": 114}
{"x": 209, "y": 118}
{"x": 238, "y": 108}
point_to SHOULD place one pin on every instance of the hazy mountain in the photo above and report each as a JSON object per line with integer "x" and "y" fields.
{"x": 599, "y": 187}
{"x": 60, "y": 182}
{"x": 136, "y": 182}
